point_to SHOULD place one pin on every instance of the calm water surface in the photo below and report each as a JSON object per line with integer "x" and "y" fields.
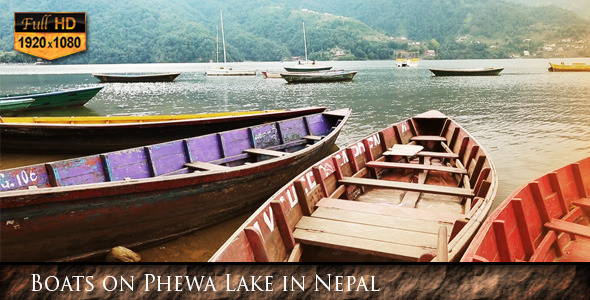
{"x": 531, "y": 121}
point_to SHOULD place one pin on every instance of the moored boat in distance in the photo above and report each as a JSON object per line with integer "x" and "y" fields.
{"x": 230, "y": 71}
{"x": 467, "y": 72}
{"x": 84, "y": 206}
{"x": 415, "y": 191}
{"x": 307, "y": 66}
{"x": 320, "y": 76}
{"x": 545, "y": 220}
{"x": 95, "y": 134}
{"x": 14, "y": 106}
{"x": 407, "y": 59}
{"x": 126, "y": 78}
{"x": 62, "y": 98}
{"x": 271, "y": 74}
{"x": 574, "y": 67}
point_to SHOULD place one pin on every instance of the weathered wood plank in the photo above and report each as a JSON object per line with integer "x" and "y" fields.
{"x": 393, "y": 165}
{"x": 569, "y": 227}
{"x": 360, "y": 217}
{"x": 199, "y": 165}
{"x": 437, "y": 154}
{"x": 403, "y": 150}
{"x": 266, "y": 152}
{"x": 428, "y": 138}
{"x": 426, "y": 188}
{"x": 360, "y": 245}
{"x": 390, "y": 210}
{"x": 582, "y": 202}
{"x": 314, "y": 138}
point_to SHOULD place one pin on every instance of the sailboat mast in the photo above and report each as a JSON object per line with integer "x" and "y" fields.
{"x": 305, "y": 42}
{"x": 217, "y": 39}
{"x": 222, "y": 36}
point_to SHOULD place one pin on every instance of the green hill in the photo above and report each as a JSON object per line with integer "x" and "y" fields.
{"x": 185, "y": 31}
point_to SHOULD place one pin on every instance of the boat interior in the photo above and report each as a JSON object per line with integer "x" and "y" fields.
{"x": 213, "y": 152}
{"x": 547, "y": 220}
{"x": 404, "y": 194}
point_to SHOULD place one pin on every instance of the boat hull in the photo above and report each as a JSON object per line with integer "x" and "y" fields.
{"x": 467, "y": 72}
{"x": 76, "y": 221}
{"x": 95, "y": 138}
{"x": 575, "y": 67}
{"x": 307, "y": 68}
{"x": 136, "y": 78}
{"x": 77, "y": 97}
{"x": 13, "y": 107}
{"x": 315, "y": 212}
{"x": 327, "y": 76}
{"x": 533, "y": 223}
{"x": 228, "y": 71}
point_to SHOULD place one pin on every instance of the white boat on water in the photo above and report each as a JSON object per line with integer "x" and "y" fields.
{"x": 407, "y": 59}
{"x": 226, "y": 70}
{"x": 307, "y": 66}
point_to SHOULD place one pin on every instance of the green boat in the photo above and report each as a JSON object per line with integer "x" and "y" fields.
{"x": 13, "y": 107}
{"x": 75, "y": 97}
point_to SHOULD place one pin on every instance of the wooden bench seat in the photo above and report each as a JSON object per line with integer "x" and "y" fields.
{"x": 428, "y": 138}
{"x": 582, "y": 202}
{"x": 425, "y": 188}
{"x": 569, "y": 227}
{"x": 389, "y": 210}
{"x": 394, "y": 165}
{"x": 437, "y": 154}
{"x": 314, "y": 138}
{"x": 266, "y": 152}
{"x": 199, "y": 165}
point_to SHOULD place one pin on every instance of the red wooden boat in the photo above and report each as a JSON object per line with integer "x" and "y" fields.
{"x": 416, "y": 191}
{"x": 83, "y": 206}
{"x": 545, "y": 220}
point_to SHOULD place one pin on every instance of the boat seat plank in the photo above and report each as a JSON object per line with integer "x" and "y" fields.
{"x": 426, "y": 188}
{"x": 373, "y": 219}
{"x": 312, "y": 138}
{"x": 352, "y": 244}
{"x": 403, "y": 150}
{"x": 437, "y": 154}
{"x": 582, "y": 202}
{"x": 266, "y": 152}
{"x": 368, "y": 232}
{"x": 390, "y": 210}
{"x": 394, "y": 165}
{"x": 569, "y": 227}
{"x": 199, "y": 165}
{"x": 428, "y": 138}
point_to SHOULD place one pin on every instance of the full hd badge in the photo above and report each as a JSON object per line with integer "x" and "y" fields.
{"x": 49, "y": 35}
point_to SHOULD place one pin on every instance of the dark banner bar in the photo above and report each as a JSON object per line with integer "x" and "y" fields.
{"x": 49, "y": 22}
{"x": 415, "y": 281}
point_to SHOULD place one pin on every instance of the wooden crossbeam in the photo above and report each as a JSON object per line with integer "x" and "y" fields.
{"x": 199, "y": 165}
{"x": 426, "y": 188}
{"x": 266, "y": 152}
{"x": 428, "y": 138}
{"x": 314, "y": 138}
{"x": 394, "y": 165}
{"x": 437, "y": 154}
{"x": 569, "y": 227}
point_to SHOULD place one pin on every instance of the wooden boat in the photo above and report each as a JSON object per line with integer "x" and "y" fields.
{"x": 575, "y": 67}
{"x": 77, "y": 207}
{"x": 407, "y": 59}
{"x": 230, "y": 71}
{"x": 271, "y": 74}
{"x": 307, "y": 66}
{"x": 227, "y": 70}
{"x": 321, "y": 76}
{"x": 64, "y": 98}
{"x": 545, "y": 220}
{"x": 97, "y": 134}
{"x": 467, "y": 72}
{"x": 417, "y": 190}
{"x": 169, "y": 77}
{"x": 13, "y": 107}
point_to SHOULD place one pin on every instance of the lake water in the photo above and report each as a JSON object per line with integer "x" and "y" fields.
{"x": 531, "y": 121}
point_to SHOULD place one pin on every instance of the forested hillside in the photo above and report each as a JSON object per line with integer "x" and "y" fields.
{"x": 185, "y": 30}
